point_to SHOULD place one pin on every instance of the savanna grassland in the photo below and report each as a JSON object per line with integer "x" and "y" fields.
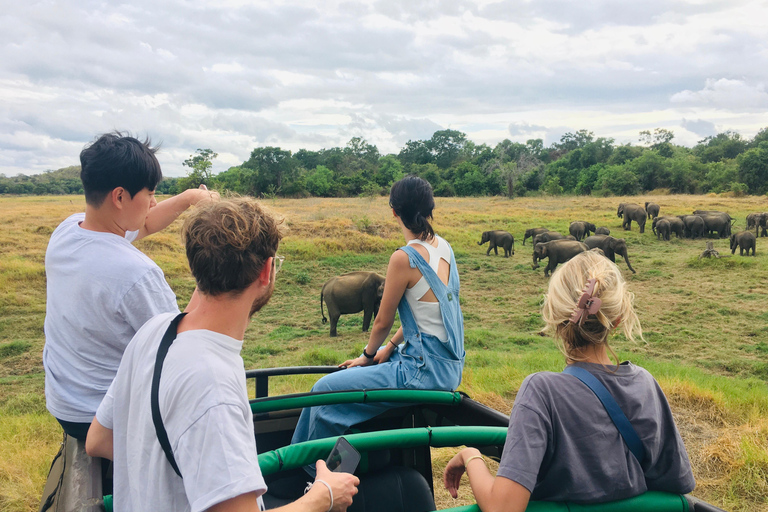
{"x": 705, "y": 322}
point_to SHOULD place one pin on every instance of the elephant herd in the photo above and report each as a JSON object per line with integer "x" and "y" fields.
{"x": 558, "y": 248}
{"x": 362, "y": 291}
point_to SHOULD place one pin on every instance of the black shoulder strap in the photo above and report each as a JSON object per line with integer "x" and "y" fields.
{"x": 162, "y": 351}
{"x": 627, "y": 431}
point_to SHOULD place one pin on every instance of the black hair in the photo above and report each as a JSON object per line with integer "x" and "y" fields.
{"x": 117, "y": 160}
{"x": 412, "y": 200}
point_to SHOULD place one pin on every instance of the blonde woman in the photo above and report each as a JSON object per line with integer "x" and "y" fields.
{"x": 562, "y": 444}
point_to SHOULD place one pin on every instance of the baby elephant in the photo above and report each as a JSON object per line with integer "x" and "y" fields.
{"x": 498, "y": 239}
{"x": 352, "y": 293}
{"x": 558, "y": 251}
{"x": 744, "y": 241}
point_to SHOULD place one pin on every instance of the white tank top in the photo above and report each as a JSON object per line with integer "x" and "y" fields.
{"x": 427, "y": 314}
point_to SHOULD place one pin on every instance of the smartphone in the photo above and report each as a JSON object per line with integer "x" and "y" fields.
{"x": 344, "y": 458}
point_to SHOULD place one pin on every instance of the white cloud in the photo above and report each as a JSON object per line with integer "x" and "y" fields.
{"x": 726, "y": 94}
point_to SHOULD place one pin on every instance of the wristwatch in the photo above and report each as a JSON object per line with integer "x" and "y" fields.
{"x": 367, "y": 355}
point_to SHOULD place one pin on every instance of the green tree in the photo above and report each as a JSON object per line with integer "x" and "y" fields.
{"x": 320, "y": 181}
{"x": 389, "y": 171}
{"x": 235, "y": 179}
{"x": 552, "y": 186}
{"x": 617, "y": 180}
{"x": 200, "y": 165}
{"x": 722, "y": 146}
{"x": 415, "y": 152}
{"x": 753, "y": 169}
{"x": 272, "y": 167}
{"x": 571, "y": 141}
{"x": 446, "y": 147}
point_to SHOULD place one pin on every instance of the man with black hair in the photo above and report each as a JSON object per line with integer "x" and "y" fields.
{"x": 100, "y": 288}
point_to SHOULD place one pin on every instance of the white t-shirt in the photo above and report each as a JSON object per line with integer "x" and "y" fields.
{"x": 204, "y": 407}
{"x": 101, "y": 290}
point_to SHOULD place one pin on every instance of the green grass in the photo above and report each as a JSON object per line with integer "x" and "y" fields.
{"x": 705, "y": 322}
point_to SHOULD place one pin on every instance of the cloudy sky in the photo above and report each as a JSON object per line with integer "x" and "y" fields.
{"x": 232, "y": 75}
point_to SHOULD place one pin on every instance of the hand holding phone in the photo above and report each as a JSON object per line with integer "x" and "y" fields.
{"x": 343, "y": 458}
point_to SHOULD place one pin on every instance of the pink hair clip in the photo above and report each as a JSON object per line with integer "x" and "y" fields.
{"x": 587, "y": 304}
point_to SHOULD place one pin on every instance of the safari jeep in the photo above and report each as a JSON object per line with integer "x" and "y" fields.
{"x": 396, "y": 466}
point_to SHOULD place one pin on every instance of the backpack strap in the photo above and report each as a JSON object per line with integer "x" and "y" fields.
{"x": 157, "y": 419}
{"x": 627, "y": 431}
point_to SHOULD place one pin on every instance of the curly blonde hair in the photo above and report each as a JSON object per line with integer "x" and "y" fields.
{"x": 565, "y": 289}
{"x": 228, "y": 242}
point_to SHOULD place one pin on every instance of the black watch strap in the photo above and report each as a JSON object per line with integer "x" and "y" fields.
{"x": 367, "y": 355}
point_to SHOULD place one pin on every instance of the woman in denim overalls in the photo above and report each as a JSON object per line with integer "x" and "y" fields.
{"x": 411, "y": 359}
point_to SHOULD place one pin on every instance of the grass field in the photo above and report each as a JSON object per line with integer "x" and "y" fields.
{"x": 705, "y": 321}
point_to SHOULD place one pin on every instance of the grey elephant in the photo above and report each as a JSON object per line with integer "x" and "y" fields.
{"x": 547, "y": 237}
{"x": 611, "y": 247}
{"x": 632, "y": 212}
{"x": 530, "y": 233}
{"x": 558, "y": 251}
{"x": 744, "y": 241}
{"x": 693, "y": 226}
{"x": 652, "y": 209}
{"x": 676, "y": 225}
{"x": 602, "y": 231}
{"x": 662, "y": 229}
{"x": 718, "y": 222}
{"x": 496, "y": 239}
{"x": 352, "y": 293}
{"x": 757, "y": 221}
{"x": 712, "y": 212}
{"x": 579, "y": 229}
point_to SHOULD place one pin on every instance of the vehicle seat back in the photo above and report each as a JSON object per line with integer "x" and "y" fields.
{"x": 393, "y": 488}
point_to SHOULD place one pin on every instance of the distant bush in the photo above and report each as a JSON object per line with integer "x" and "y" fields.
{"x": 739, "y": 189}
{"x": 303, "y": 277}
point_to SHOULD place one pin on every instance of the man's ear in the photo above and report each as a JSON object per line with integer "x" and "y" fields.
{"x": 266, "y": 272}
{"x": 119, "y": 196}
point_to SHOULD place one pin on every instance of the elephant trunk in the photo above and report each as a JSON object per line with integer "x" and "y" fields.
{"x": 626, "y": 260}
{"x": 535, "y": 261}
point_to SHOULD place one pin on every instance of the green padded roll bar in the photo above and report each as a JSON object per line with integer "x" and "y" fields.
{"x": 301, "y": 400}
{"x": 651, "y": 501}
{"x": 301, "y": 454}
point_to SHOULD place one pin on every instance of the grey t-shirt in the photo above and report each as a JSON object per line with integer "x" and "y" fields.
{"x": 563, "y": 446}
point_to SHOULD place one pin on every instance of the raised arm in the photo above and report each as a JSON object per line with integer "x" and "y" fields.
{"x": 162, "y": 215}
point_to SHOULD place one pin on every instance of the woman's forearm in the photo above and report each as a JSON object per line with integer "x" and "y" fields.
{"x": 379, "y": 332}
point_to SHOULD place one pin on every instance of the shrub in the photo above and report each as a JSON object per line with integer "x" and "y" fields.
{"x": 303, "y": 277}
{"x": 739, "y": 189}
{"x": 552, "y": 186}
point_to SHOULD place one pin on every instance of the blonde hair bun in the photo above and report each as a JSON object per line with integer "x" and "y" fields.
{"x": 566, "y": 287}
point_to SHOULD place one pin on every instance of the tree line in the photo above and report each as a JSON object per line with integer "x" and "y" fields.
{"x": 579, "y": 163}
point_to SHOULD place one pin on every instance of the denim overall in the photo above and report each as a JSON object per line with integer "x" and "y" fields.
{"x": 421, "y": 361}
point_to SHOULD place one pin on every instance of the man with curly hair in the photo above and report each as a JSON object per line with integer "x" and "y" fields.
{"x": 186, "y": 442}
